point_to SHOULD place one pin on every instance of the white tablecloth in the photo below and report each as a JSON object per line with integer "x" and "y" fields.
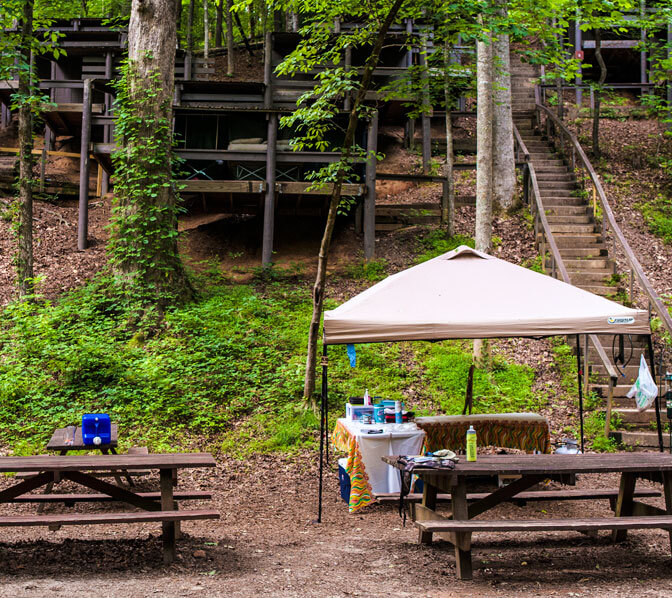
{"x": 396, "y": 439}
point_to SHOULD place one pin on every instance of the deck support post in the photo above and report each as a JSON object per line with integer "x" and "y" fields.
{"x": 370, "y": 197}
{"x": 268, "y": 70}
{"x": 269, "y": 200}
{"x": 83, "y": 220}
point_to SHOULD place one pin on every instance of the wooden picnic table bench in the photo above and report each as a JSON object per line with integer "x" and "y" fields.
{"x": 458, "y": 525}
{"x": 155, "y": 506}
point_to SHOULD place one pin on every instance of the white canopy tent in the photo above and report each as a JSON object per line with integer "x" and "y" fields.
{"x": 469, "y": 294}
{"x": 466, "y": 294}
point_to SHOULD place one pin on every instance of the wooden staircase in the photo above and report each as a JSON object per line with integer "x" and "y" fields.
{"x": 584, "y": 254}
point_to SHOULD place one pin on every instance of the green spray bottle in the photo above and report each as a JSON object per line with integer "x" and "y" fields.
{"x": 471, "y": 444}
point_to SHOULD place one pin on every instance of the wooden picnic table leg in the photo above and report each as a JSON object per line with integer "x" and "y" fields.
{"x": 126, "y": 474}
{"x": 114, "y": 471}
{"x": 47, "y": 490}
{"x": 667, "y": 487}
{"x": 624, "y": 503}
{"x": 458, "y": 502}
{"x": 429, "y": 493}
{"x": 168, "y": 527}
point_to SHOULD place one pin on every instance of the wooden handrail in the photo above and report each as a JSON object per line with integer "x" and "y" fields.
{"x": 556, "y": 258}
{"x": 635, "y": 267}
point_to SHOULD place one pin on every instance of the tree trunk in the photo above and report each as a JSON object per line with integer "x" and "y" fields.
{"x": 320, "y": 278}
{"x": 179, "y": 23}
{"x": 252, "y": 16}
{"x": 190, "y": 27}
{"x": 143, "y": 240}
{"x": 229, "y": 38}
{"x": 218, "y": 24}
{"x": 484, "y": 141}
{"x": 598, "y": 93}
{"x": 503, "y": 160}
{"x": 448, "y": 211}
{"x": 206, "y": 30}
{"x": 24, "y": 261}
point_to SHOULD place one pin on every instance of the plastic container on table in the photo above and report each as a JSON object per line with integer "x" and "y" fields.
{"x": 96, "y": 429}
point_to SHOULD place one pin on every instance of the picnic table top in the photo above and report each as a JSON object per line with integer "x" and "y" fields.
{"x": 526, "y": 464}
{"x": 70, "y": 439}
{"x": 105, "y": 462}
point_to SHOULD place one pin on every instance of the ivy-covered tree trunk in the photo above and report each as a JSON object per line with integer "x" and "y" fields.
{"x": 323, "y": 257}
{"x": 143, "y": 243}
{"x": 24, "y": 261}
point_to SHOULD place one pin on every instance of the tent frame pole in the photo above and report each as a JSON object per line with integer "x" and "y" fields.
{"x": 579, "y": 376}
{"x": 659, "y": 425}
{"x": 323, "y": 426}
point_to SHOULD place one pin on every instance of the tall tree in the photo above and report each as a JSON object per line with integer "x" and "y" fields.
{"x": 143, "y": 241}
{"x": 24, "y": 261}
{"x": 484, "y": 141}
{"x": 504, "y": 164}
{"x": 316, "y": 118}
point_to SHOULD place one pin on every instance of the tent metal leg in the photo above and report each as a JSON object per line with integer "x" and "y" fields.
{"x": 323, "y": 415}
{"x": 579, "y": 376}
{"x": 659, "y": 425}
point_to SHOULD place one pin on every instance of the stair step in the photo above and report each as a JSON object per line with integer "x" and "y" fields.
{"x": 598, "y": 263}
{"x": 557, "y": 211}
{"x": 631, "y": 370}
{"x": 634, "y": 416}
{"x": 601, "y": 290}
{"x": 639, "y": 438}
{"x": 583, "y": 252}
{"x": 565, "y": 195}
{"x": 580, "y": 279}
{"x": 619, "y": 391}
{"x": 572, "y": 228}
{"x": 564, "y": 219}
{"x": 546, "y": 178}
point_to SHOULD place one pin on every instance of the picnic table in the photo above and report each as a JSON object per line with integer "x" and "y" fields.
{"x": 154, "y": 506}
{"x": 458, "y": 526}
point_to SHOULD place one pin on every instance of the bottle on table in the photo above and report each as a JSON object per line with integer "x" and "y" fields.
{"x": 398, "y": 415}
{"x": 471, "y": 444}
{"x": 367, "y": 398}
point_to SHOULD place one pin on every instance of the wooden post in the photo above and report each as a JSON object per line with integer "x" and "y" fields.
{"x": 426, "y": 108}
{"x": 4, "y": 116}
{"x": 188, "y": 58}
{"x": 458, "y": 502}
{"x": 107, "y": 129}
{"x": 410, "y": 123}
{"x": 370, "y": 198}
{"x": 269, "y": 201}
{"x": 624, "y": 503}
{"x": 444, "y": 202}
{"x": 83, "y": 222}
{"x": 167, "y": 504}
{"x": 268, "y": 70}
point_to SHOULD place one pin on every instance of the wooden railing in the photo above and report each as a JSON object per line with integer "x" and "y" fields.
{"x": 542, "y": 231}
{"x": 567, "y": 143}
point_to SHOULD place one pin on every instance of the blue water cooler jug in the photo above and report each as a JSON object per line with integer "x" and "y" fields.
{"x": 96, "y": 429}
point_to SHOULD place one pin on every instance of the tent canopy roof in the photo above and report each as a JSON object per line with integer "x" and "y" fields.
{"x": 468, "y": 294}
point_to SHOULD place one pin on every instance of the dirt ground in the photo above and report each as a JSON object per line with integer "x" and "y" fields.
{"x": 266, "y": 544}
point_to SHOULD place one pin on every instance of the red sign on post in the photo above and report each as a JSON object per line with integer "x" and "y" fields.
{"x": 578, "y": 54}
